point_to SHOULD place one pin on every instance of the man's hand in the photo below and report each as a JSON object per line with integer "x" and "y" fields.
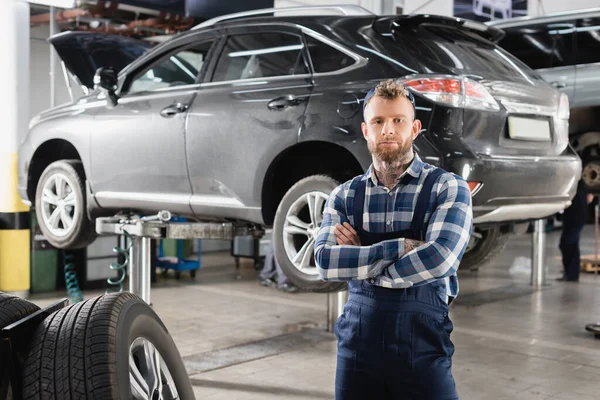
{"x": 346, "y": 235}
{"x": 410, "y": 244}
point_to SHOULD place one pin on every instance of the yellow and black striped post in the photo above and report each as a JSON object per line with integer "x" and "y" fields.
{"x": 14, "y": 114}
{"x": 14, "y": 230}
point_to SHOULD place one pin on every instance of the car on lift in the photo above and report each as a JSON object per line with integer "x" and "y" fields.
{"x": 564, "y": 49}
{"x": 253, "y": 119}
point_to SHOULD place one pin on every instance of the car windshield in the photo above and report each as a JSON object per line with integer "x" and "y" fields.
{"x": 450, "y": 50}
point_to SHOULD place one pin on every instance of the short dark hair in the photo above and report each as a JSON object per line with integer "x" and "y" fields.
{"x": 390, "y": 89}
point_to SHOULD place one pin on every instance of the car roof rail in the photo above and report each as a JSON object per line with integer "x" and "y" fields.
{"x": 342, "y": 9}
{"x": 490, "y": 33}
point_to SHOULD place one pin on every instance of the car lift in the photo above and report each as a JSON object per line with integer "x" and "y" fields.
{"x": 143, "y": 229}
{"x": 159, "y": 226}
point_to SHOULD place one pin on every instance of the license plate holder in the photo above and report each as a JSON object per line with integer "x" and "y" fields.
{"x": 531, "y": 129}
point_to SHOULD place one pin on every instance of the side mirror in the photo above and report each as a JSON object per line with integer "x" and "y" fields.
{"x": 106, "y": 80}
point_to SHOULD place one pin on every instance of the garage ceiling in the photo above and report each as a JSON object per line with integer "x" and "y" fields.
{"x": 113, "y": 17}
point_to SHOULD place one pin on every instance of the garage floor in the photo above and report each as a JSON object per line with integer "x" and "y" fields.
{"x": 244, "y": 341}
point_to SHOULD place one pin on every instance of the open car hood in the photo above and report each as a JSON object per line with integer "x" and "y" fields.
{"x": 84, "y": 52}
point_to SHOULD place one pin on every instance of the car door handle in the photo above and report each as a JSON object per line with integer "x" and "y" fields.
{"x": 173, "y": 109}
{"x": 282, "y": 102}
{"x": 559, "y": 85}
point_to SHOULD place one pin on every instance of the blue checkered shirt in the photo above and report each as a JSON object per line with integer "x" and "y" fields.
{"x": 448, "y": 220}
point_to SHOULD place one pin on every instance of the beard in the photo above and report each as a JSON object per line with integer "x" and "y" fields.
{"x": 390, "y": 155}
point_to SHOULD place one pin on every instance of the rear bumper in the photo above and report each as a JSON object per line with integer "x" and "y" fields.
{"x": 517, "y": 189}
{"x": 517, "y": 212}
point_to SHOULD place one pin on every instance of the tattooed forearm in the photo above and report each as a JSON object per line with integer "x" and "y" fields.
{"x": 410, "y": 244}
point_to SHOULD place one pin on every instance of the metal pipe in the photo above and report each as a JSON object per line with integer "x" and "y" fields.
{"x": 538, "y": 254}
{"x": 335, "y": 307}
{"x": 52, "y": 59}
{"x": 145, "y": 269}
{"x": 134, "y": 272}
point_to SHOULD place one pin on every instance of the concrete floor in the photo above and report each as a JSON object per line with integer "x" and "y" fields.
{"x": 244, "y": 341}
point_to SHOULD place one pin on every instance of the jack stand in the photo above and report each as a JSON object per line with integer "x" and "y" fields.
{"x": 139, "y": 268}
{"x": 335, "y": 307}
{"x": 538, "y": 254}
{"x": 159, "y": 226}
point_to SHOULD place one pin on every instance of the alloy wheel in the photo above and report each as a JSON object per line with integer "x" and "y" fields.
{"x": 59, "y": 205}
{"x": 302, "y": 223}
{"x": 149, "y": 376}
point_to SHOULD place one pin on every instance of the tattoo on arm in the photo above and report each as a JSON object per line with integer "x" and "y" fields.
{"x": 410, "y": 244}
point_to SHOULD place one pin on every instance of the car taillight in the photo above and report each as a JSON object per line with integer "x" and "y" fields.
{"x": 474, "y": 187}
{"x": 561, "y": 122}
{"x": 453, "y": 91}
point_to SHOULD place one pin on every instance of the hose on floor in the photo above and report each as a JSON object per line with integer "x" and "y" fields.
{"x": 71, "y": 282}
{"x": 121, "y": 268}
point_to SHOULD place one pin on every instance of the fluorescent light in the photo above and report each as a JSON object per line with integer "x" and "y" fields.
{"x": 55, "y": 3}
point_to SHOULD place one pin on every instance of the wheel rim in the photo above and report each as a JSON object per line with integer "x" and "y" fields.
{"x": 59, "y": 205}
{"x": 476, "y": 236}
{"x": 149, "y": 376}
{"x": 591, "y": 174}
{"x": 302, "y": 223}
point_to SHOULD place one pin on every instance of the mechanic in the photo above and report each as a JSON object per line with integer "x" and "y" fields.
{"x": 396, "y": 234}
{"x": 574, "y": 218}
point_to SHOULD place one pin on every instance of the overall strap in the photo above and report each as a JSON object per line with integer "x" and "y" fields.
{"x": 418, "y": 219}
{"x": 359, "y": 203}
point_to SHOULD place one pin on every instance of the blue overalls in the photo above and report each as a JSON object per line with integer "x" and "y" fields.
{"x": 394, "y": 343}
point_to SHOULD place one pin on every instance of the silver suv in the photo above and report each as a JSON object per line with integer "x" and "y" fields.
{"x": 564, "y": 48}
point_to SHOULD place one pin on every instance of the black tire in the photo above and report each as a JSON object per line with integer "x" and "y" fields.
{"x": 83, "y": 231}
{"x": 12, "y": 309}
{"x": 308, "y": 282}
{"x": 83, "y": 351}
{"x": 489, "y": 246}
{"x": 591, "y": 174}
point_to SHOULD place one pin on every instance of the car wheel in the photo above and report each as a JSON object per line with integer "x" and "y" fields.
{"x": 297, "y": 222}
{"x": 109, "y": 347}
{"x": 60, "y": 206}
{"x": 12, "y": 309}
{"x": 591, "y": 174}
{"x": 483, "y": 247}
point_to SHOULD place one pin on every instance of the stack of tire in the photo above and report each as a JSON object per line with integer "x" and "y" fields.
{"x": 108, "y": 347}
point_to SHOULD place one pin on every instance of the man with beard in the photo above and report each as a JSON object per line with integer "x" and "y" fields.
{"x": 396, "y": 234}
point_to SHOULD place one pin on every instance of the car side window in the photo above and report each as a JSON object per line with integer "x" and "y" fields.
{"x": 541, "y": 46}
{"x": 326, "y": 58}
{"x": 588, "y": 40}
{"x": 180, "y": 67}
{"x": 260, "y": 55}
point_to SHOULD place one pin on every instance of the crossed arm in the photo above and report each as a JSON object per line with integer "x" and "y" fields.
{"x": 346, "y": 235}
{"x": 399, "y": 262}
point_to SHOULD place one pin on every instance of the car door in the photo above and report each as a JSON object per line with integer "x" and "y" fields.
{"x": 548, "y": 49}
{"x": 587, "y": 62}
{"x": 138, "y": 147}
{"x": 247, "y": 112}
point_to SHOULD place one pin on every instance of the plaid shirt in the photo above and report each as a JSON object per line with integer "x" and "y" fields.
{"x": 448, "y": 220}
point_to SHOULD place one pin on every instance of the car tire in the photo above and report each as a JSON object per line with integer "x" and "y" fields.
{"x": 591, "y": 174}
{"x": 73, "y": 229}
{"x": 12, "y": 309}
{"x": 488, "y": 244}
{"x": 86, "y": 351}
{"x": 291, "y": 242}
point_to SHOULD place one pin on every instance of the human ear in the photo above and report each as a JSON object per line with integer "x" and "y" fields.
{"x": 365, "y": 132}
{"x": 416, "y": 128}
